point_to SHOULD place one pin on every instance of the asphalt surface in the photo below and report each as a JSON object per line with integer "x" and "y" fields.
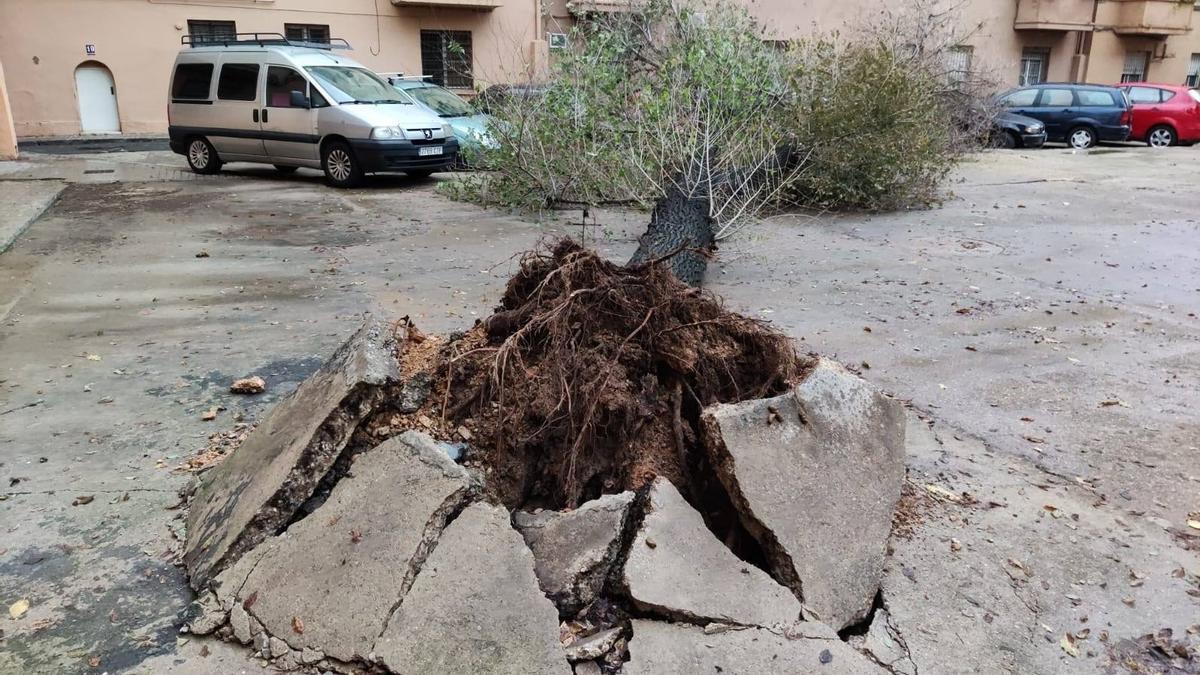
{"x": 1045, "y": 318}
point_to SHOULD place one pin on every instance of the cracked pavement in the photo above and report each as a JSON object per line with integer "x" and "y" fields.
{"x": 1044, "y": 320}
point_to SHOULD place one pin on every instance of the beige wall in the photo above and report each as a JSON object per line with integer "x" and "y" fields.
{"x": 42, "y": 42}
{"x": 988, "y": 27}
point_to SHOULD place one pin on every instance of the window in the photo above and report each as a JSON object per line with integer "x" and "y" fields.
{"x": 1193, "y": 76}
{"x": 1057, "y": 98}
{"x": 443, "y": 101}
{"x": 446, "y": 57}
{"x": 239, "y": 82}
{"x": 354, "y": 84}
{"x": 958, "y": 64}
{"x": 192, "y": 81}
{"x": 281, "y": 82}
{"x": 1145, "y": 95}
{"x": 1135, "y": 67}
{"x": 211, "y": 31}
{"x": 1020, "y": 99}
{"x": 1034, "y": 63}
{"x": 306, "y": 32}
{"x": 1093, "y": 98}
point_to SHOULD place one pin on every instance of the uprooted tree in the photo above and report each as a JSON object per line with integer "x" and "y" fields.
{"x": 684, "y": 109}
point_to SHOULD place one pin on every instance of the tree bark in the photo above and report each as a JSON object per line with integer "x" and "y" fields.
{"x": 680, "y": 228}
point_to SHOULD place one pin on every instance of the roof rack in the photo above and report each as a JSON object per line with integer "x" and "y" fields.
{"x": 259, "y": 40}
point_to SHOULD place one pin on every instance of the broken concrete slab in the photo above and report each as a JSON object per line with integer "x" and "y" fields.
{"x": 258, "y": 488}
{"x": 475, "y": 606}
{"x": 815, "y": 475}
{"x": 885, "y": 646}
{"x": 660, "y": 648}
{"x": 593, "y": 646}
{"x": 678, "y": 568}
{"x": 331, "y": 581}
{"x": 573, "y": 550}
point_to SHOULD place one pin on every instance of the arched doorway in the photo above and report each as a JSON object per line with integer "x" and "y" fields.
{"x": 97, "y": 95}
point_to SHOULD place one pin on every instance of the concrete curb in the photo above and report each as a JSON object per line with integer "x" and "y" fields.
{"x": 31, "y": 200}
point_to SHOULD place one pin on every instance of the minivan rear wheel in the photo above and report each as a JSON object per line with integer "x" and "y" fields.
{"x": 202, "y": 156}
{"x": 341, "y": 166}
{"x": 1081, "y": 138}
{"x": 1161, "y": 136}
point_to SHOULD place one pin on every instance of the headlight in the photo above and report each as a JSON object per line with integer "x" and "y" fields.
{"x": 447, "y": 130}
{"x": 387, "y": 133}
{"x": 1033, "y": 129}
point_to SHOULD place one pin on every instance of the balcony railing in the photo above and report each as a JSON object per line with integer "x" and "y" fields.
{"x": 1055, "y": 15}
{"x": 1154, "y": 17}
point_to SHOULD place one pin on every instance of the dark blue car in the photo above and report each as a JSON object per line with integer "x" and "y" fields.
{"x": 1079, "y": 115}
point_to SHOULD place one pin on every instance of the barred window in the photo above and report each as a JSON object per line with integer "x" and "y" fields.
{"x": 211, "y": 31}
{"x": 446, "y": 57}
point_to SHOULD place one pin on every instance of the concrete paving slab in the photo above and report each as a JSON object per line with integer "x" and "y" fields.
{"x": 255, "y": 491}
{"x": 676, "y": 567}
{"x": 23, "y": 202}
{"x": 475, "y": 607}
{"x": 660, "y": 648}
{"x": 816, "y": 474}
{"x": 330, "y": 582}
{"x": 573, "y": 550}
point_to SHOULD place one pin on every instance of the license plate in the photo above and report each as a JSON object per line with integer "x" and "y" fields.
{"x": 429, "y": 150}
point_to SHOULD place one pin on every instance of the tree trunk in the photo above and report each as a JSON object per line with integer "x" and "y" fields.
{"x": 680, "y": 227}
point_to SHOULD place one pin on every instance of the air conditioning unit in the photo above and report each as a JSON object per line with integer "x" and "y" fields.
{"x": 557, "y": 40}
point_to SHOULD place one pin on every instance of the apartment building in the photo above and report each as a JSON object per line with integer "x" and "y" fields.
{"x": 102, "y": 66}
{"x": 1014, "y": 42}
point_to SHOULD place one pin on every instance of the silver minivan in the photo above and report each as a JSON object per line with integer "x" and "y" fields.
{"x": 262, "y": 98}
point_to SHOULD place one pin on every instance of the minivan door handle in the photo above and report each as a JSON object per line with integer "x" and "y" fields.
{"x": 255, "y": 115}
{"x": 264, "y": 116}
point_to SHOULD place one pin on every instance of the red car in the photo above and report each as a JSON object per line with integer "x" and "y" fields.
{"x": 1163, "y": 114}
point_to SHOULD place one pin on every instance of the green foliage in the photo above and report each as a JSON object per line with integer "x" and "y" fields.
{"x": 693, "y": 97}
{"x": 874, "y": 120}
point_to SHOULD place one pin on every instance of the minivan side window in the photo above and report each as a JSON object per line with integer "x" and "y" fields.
{"x": 192, "y": 81}
{"x": 281, "y": 82}
{"x": 1057, "y": 98}
{"x": 239, "y": 82}
{"x": 1021, "y": 98}
{"x": 1091, "y": 97}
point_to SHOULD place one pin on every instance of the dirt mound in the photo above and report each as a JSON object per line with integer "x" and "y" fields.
{"x": 590, "y": 377}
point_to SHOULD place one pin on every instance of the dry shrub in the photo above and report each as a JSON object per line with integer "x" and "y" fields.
{"x": 590, "y": 377}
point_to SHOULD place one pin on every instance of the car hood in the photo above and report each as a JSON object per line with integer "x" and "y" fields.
{"x": 1013, "y": 118}
{"x": 404, "y": 115}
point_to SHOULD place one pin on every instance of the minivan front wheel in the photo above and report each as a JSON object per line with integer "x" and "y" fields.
{"x": 1161, "y": 137}
{"x": 202, "y": 156}
{"x": 1081, "y": 138}
{"x": 341, "y": 166}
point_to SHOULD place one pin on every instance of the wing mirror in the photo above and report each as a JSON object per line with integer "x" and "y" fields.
{"x": 299, "y": 100}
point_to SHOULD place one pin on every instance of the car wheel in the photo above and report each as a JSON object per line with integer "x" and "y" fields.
{"x": 420, "y": 173}
{"x": 1161, "y": 137}
{"x": 286, "y": 170}
{"x": 341, "y": 166}
{"x": 202, "y": 156}
{"x": 1007, "y": 140}
{"x": 1081, "y": 138}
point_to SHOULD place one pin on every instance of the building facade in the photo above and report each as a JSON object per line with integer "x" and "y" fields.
{"x": 102, "y": 66}
{"x": 1012, "y": 42}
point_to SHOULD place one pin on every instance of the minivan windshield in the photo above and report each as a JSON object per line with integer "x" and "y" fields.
{"x": 443, "y": 101}
{"x": 354, "y": 85}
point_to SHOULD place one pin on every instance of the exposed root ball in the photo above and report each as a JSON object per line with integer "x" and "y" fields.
{"x": 589, "y": 378}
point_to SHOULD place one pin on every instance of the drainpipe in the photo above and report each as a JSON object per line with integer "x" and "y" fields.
{"x": 8, "y": 130}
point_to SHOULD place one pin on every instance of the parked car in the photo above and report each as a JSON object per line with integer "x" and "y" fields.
{"x": 258, "y": 97}
{"x": 1079, "y": 115}
{"x": 470, "y": 126}
{"x": 498, "y": 94}
{"x": 1010, "y": 130}
{"x": 1163, "y": 114}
